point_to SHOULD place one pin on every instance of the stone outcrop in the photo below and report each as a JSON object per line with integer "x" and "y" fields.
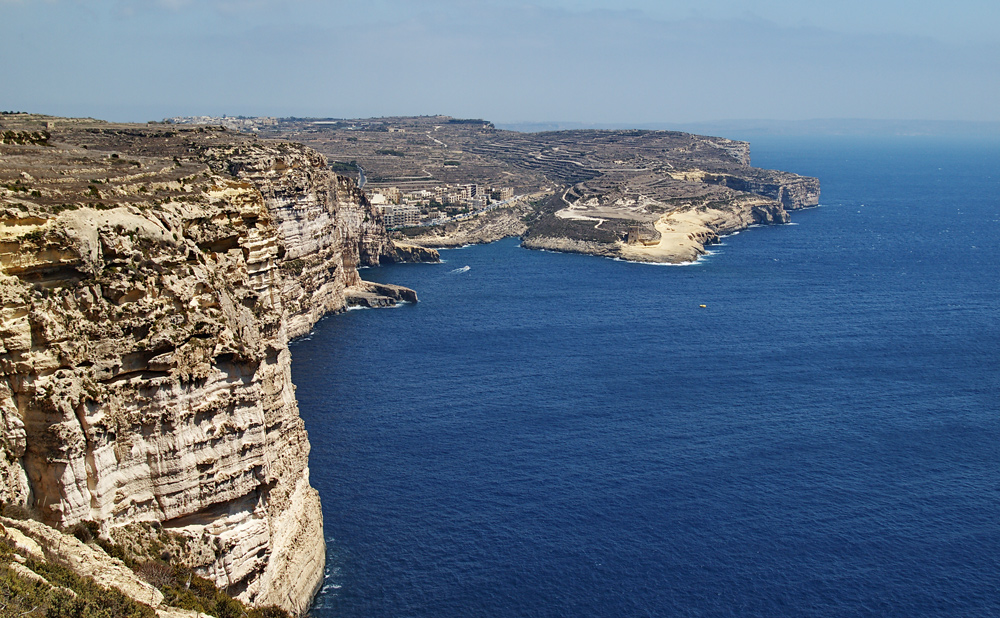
{"x": 150, "y": 280}
{"x": 407, "y": 252}
{"x": 569, "y": 245}
{"x": 374, "y": 295}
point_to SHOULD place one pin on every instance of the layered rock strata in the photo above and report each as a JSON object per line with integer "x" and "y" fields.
{"x": 150, "y": 280}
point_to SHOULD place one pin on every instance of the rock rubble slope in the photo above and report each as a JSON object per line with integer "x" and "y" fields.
{"x": 150, "y": 279}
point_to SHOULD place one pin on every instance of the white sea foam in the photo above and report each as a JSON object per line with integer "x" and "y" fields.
{"x": 461, "y": 270}
{"x": 696, "y": 262}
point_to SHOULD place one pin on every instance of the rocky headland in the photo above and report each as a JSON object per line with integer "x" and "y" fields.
{"x": 151, "y": 277}
{"x": 654, "y": 196}
{"x": 646, "y": 196}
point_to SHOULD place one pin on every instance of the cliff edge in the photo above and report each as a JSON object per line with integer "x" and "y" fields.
{"x": 150, "y": 279}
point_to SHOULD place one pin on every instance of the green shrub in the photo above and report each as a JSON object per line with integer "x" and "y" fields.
{"x": 33, "y": 236}
{"x": 270, "y": 611}
{"x": 294, "y": 267}
{"x": 181, "y": 587}
{"x": 20, "y": 596}
{"x": 92, "y": 600}
{"x": 16, "y": 511}
{"x": 342, "y": 166}
{"x": 85, "y": 531}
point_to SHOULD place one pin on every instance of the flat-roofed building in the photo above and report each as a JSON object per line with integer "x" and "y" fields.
{"x": 401, "y": 216}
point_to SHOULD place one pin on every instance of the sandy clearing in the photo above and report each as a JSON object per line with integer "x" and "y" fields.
{"x": 680, "y": 239}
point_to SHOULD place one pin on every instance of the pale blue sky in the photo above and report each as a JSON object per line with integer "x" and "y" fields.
{"x": 597, "y": 61}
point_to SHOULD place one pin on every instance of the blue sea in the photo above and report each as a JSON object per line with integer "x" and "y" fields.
{"x": 548, "y": 434}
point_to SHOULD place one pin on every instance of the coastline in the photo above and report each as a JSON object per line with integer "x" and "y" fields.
{"x": 684, "y": 234}
{"x": 677, "y": 236}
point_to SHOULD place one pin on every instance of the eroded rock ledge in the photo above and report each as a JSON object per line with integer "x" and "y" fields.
{"x": 374, "y": 295}
{"x": 150, "y": 279}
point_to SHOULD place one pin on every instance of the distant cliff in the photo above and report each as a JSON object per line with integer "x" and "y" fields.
{"x": 652, "y": 196}
{"x": 150, "y": 280}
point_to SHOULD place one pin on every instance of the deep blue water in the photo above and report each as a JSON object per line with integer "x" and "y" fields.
{"x": 564, "y": 435}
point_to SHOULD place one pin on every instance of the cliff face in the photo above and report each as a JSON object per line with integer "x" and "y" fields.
{"x": 327, "y": 228}
{"x": 791, "y": 190}
{"x": 150, "y": 282}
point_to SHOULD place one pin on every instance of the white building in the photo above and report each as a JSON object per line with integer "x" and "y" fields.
{"x": 400, "y": 216}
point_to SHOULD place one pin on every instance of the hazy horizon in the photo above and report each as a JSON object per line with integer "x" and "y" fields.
{"x": 593, "y": 62}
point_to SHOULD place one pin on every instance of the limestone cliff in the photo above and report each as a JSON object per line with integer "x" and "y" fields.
{"x": 150, "y": 280}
